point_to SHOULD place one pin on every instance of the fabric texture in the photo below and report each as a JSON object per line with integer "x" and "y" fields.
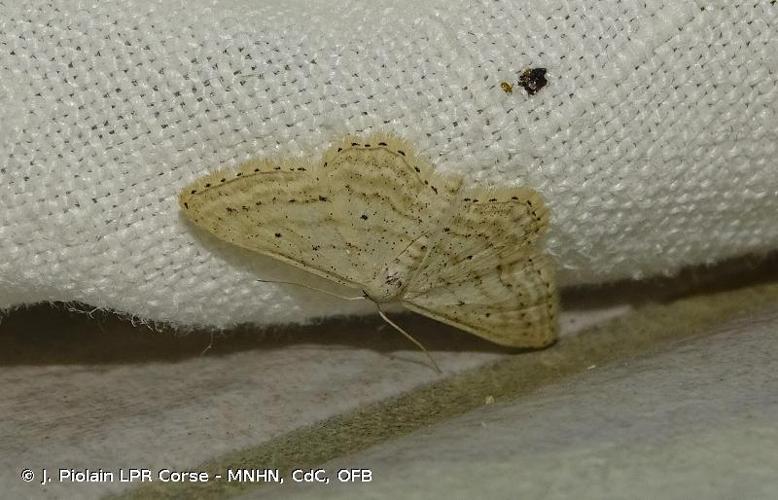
{"x": 654, "y": 142}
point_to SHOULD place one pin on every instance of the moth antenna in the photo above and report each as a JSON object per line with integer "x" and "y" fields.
{"x": 409, "y": 337}
{"x": 380, "y": 312}
{"x": 208, "y": 347}
{"x": 326, "y": 292}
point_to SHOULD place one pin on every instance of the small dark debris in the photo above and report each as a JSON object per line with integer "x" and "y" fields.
{"x": 533, "y": 79}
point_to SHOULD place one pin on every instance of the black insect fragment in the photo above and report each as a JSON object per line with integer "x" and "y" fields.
{"x": 533, "y": 79}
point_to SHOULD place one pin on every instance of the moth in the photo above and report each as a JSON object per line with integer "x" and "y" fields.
{"x": 373, "y": 216}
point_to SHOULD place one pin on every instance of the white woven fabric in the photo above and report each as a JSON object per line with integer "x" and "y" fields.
{"x": 654, "y": 142}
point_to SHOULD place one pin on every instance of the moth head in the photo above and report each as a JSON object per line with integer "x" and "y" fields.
{"x": 387, "y": 287}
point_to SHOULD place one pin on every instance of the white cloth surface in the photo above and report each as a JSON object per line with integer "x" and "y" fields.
{"x": 654, "y": 142}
